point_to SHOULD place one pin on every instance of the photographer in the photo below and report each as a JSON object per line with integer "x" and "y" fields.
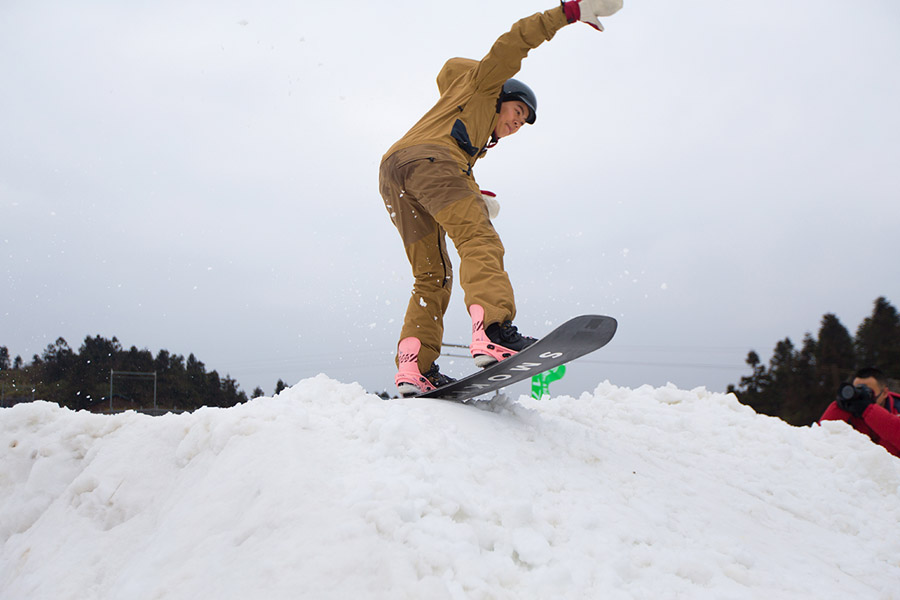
{"x": 870, "y": 408}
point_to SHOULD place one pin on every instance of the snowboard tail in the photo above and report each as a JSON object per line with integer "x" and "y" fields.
{"x": 573, "y": 339}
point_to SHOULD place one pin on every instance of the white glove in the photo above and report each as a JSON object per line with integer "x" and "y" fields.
{"x": 601, "y": 8}
{"x": 490, "y": 200}
{"x": 587, "y": 11}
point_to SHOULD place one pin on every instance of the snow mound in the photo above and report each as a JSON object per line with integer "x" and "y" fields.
{"x": 328, "y": 492}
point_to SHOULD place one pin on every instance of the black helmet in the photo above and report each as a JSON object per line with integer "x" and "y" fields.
{"x": 514, "y": 89}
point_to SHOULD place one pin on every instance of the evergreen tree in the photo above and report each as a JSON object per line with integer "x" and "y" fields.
{"x": 196, "y": 377}
{"x": 804, "y": 406}
{"x": 214, "y": 395}
{"x": 835, "y": 358}
{"x": 231, "y": 391}
{"x": 753, "y": 389}
{"x": 161, "y": 362}
{"x": 139, "y": 361}
{"x": 179, "y": 389}
{"x": 57, "y": 360}
{"x": 781, "y": 367}
{"x": 57, "y": 367}
{"x": 757, "y": 381}
{"x": 16, "y": 381}
{"x": 878, "y": 339}
{"x": 97, "y": 357}
{"x": 4, "y": 358}
{"x": 782, "y": 371}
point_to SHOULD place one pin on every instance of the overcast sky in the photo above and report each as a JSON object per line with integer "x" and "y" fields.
{"x": 202, "y": 177}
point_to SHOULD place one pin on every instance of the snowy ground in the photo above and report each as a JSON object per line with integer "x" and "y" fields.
{"x": 327, "y": 492}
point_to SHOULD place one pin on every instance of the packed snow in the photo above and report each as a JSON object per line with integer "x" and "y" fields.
{"x": 328, "y": 492}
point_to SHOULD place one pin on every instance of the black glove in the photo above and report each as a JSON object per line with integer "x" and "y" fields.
{"x": 855, "y": 400}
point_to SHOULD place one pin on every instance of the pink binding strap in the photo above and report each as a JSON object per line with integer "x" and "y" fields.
{"x": 483, "y": 350}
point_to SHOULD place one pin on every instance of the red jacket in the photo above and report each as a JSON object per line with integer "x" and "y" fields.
{"x": 882, "y": 424}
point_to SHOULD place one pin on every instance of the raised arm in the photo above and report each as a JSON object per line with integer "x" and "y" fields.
{"x": 505, "y": 57}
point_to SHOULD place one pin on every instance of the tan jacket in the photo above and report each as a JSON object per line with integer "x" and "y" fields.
{"x": 466, "y": 114}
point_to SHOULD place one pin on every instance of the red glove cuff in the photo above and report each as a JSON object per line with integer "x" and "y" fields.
{"x": 572, "y": 10}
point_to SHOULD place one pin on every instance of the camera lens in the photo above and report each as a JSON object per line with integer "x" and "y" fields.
{"x": 847, "y": 391}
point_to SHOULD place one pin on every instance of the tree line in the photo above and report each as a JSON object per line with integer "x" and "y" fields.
{"x": 81, "y": 380}
{"x": 796, "y": 386}
{"x": 800, "y": 382}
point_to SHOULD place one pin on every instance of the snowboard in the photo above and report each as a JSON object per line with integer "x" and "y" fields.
{"x": 573, "y": 339}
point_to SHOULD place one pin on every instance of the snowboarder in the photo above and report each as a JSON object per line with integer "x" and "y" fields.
{"x": 429, "y": 191}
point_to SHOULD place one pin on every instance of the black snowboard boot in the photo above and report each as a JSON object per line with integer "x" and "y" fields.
{"x": 436, "y": 378}
{"x": 506, "y": 335}
{"x": 425, "y": 382}
{"x": 408, "y": 379}
{"x": 503, "y": 340}
{"x": 497, "y": 342}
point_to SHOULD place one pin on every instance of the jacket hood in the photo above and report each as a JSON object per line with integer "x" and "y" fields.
{"x": 451, "y": 71}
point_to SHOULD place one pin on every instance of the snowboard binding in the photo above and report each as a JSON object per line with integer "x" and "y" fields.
{"x": 498, "y": 342}
{"x": 409, "y": 380}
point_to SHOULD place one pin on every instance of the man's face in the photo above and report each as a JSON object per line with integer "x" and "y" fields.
{"x": 512, "y": 116}
{"x": 872, "y": 384}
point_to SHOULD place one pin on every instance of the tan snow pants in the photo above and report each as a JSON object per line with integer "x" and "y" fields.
{"x": 429, "y": 194}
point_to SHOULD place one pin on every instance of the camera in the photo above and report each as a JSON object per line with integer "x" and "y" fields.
{"x": 849, "y": 393}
